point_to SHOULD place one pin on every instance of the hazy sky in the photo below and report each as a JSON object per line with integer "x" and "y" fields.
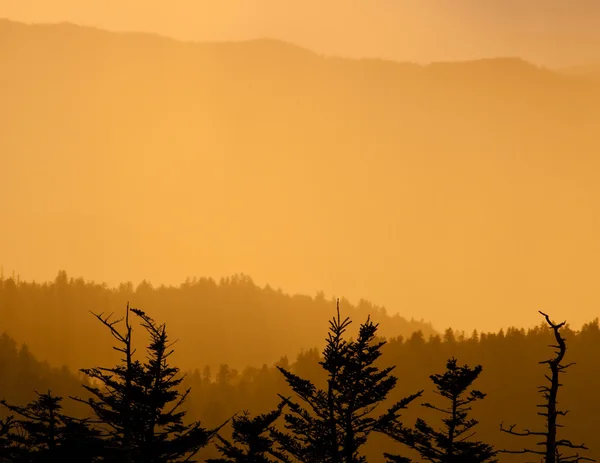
{"x": 467, "y": 197}
{"x": 550, "y": 32}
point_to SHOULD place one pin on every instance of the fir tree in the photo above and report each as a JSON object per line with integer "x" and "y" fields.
{"x": 165, "y": 438}
{"x": 138, "y": 405}
{"x": 552, "y": 447}
{"x": 44, "y": 433}
{"x": 252, "y": 442}
{"x": 114, "y": 403}
{"x": 450, "y": 445}
{"x": 338, "y": 420}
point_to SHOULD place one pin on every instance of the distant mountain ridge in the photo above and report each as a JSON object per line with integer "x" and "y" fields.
{"x": 232, "y": 322}
{"x": 551, "y": 32}
{"x": 13, "y": 30}
{"x": 454, "y": 192}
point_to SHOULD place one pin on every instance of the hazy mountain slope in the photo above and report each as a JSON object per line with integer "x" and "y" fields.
{"x": 231, "y": 322}
{"x": 462, "y": 193}
{"x": 555, "y": 33}
{"x": 589, "y": 72}
{"x": 21, "y": 374}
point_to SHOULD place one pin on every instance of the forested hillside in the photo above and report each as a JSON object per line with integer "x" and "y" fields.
{"x": 510, "y": 378}
{"x": 250, "y": 325}
{"x": 511, "y": 375}
{"x": 22, "y": 373}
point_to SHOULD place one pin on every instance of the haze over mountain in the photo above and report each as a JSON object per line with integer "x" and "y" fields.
{"x": 555, "y": 33}
{"x": 54, "y": 320}
{"x": 462, "y": 193}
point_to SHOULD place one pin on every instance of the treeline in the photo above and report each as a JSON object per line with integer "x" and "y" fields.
{"x": 53, "y": 319}
{"x": 21, "y": 373}
{"x": 354, "y": 404}
{"x": 511, "y": 378}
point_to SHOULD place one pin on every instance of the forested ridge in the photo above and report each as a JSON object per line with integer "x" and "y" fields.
{"x": 510, "y": 376}
{"x": 53, "y": 319}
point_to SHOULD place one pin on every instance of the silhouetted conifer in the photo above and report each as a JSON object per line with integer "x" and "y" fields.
{"x": 45, "y": 434}
{"x": 6, "y": 443}
{"x": 138, "y": 405}
{"x": 449, "y": 445}
{"x": 165, "y": 436}
{"x": 552, "y": 445}
{"x": 338, "y": 420}
{"x": 252, "y": 442}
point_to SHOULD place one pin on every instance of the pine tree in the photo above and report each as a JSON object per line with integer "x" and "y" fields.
{"x": 252, "y": 442}
{"x": 113, "y": 405}
{"x": 165, "y": 438}
{"x": 338, "y": 420}
{"x": 138, "y": 405}
{"x": 449, "y": 445}
{"x": 46, "y": 434}
{"x": 552, "y": 446}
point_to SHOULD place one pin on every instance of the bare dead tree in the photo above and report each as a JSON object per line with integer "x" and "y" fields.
{"x": 550, "y": 444}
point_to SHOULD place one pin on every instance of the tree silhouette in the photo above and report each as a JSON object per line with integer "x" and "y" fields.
{"x": 165, "y": 437}
{"x": 551, "y": 445}
{"x": 114, "y": 405}
{"x": 338, "y": 420}
{"x": 449, "y": 445}
{"x": 44, "y": 433}
{"x": 138, "y": 407}
{"x": 252, "y": 442}
{"x": 6, "y": 442}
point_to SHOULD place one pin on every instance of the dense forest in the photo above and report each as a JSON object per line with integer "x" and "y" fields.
{"x": 53, "y": 319}
{"x": 508, "y": 379}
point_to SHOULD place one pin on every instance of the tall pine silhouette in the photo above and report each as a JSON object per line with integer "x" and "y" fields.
{"x": 330, "y": 425}
{"x": 139, "y": 404}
